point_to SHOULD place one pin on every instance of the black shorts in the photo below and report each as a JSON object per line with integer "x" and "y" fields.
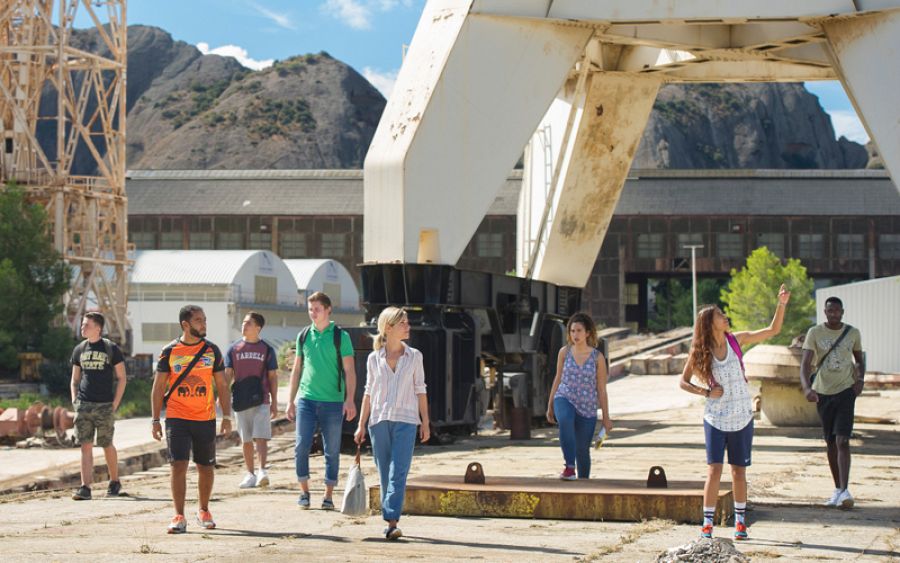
{"x": 184, "y": 436}
{"x": 836, "y": 413}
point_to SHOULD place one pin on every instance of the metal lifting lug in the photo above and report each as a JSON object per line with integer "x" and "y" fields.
{"x": 474, "y": 474}
{"x": 657, "y": 478}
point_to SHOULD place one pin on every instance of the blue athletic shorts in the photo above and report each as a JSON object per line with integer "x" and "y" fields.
{"x": 737, "y": 443}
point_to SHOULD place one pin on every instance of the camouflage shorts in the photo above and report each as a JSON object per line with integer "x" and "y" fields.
{"x": 91, "y": 417}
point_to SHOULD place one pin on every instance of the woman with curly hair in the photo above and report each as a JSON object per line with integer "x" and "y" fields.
{"x": 579, "y": 388}
{"x": 715, "y": 361}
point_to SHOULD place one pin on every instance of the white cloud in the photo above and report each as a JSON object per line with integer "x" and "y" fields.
{"x": 383, "y": 81}
{"x": 358, "y": 13}
{"x": 238, "y": 53}
{"x": 388, "y": 5}
{"x": 281, "y": 20}
{"x": 351, "y": 12}
{"x": 847, "y": 124}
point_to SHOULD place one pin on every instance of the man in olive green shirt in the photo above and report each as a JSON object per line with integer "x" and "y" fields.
{"x": 839, "y": 369}
{"x": 326, "y": 394}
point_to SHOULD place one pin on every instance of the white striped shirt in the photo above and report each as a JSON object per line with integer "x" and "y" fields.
{"x": 393, "y": 394}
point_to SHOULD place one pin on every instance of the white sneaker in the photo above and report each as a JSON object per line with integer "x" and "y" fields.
{"x": 845, "y": 501}
{"x": 833, "y": 501}
{"x": 262, "y": 478}
{"x": 249, "y": 481}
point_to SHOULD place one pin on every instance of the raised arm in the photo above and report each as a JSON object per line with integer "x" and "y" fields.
{"x": 746, "y": 338}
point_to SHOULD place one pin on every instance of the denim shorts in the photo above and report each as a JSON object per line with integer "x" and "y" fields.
{"x": 737, "y": 443}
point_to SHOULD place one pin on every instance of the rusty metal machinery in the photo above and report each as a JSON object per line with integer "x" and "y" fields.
{"x": 76, "y": 98}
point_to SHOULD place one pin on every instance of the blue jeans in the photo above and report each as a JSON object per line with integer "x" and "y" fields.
{"x": 329, "y": 417}
{"x": 575, "y": 435}
{"x": 392, "y": 446}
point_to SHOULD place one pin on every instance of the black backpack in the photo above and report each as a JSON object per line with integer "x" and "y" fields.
{"x": 337, "y": 348}
{"x": 248, "y": 392}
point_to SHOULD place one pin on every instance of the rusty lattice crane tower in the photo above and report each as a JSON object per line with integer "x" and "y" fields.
{"x": 77, "y": 98}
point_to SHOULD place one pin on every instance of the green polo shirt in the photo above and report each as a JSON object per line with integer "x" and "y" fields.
{"x": 319, "y": 379}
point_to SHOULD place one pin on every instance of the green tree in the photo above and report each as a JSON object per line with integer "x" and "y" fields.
{"x": 33, "y": 279}
{"x": 751, "y": 296}
{"x": 675, "y": 303}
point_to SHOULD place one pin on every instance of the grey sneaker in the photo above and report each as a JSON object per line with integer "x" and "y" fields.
{"x": 115, "y": 487}
{"x": 303, "y": 501}
{"x": 327, "y": 504}
{"x": 392, "y": 533}
{"x": 83, "y": 493}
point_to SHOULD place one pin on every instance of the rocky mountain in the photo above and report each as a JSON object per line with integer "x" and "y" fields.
{"x": 187, "y": 110}
{"x": 753, "y": 125}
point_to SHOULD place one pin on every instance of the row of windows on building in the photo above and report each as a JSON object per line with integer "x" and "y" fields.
{"x": 238, "y": 233}
{"x": 732, "y": 245}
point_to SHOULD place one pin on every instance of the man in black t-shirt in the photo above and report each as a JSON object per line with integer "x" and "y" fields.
{"x": 98, "y": 384}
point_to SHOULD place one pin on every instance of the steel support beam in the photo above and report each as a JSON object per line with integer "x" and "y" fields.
{"x": 470, "y": 93}
{"x": 866, "y": 57}
{"x": 609, "y": 118}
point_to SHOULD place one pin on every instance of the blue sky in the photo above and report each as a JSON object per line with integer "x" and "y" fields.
{"x": 366, "y": 34}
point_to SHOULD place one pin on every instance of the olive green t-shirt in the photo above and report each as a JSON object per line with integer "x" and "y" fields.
{"x": 838, "y": 372}
{"x": 319, "y": 379}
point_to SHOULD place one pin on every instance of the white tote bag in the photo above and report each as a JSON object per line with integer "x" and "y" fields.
{"x": 355, "y": 491}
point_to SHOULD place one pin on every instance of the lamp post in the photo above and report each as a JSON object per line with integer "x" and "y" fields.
{"x": 694, "y": 248}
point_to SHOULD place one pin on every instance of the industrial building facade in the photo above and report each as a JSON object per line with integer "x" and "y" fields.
{"x": 843, "y": 225}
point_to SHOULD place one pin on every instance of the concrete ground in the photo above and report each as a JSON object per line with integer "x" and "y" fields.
{"x": 654, "y": 425}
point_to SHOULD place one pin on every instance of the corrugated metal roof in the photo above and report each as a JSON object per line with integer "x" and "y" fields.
{"x": 189, "y": 267}
{"x": 249, "y": 192}
{"x": 785, "y": 196}
{"x": 646, "y": 192}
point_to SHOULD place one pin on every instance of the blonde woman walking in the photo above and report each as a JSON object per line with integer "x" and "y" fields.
{"x": 394, "y": 403}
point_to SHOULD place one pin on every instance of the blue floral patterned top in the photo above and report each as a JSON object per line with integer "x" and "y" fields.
{"x": 579, "y": 384}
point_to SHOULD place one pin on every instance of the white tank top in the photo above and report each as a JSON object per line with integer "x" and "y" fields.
{"x": 734, "y": 409}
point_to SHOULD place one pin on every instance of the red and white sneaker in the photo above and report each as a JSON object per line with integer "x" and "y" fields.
{"x": 706, "y": 531}
{"x": 205, "y": 519}
{"x": 740, "y": 531}
{"x": 568, "y": 474}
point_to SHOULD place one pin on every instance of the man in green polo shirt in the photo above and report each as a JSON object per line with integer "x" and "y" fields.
{"x": 326, "y": 394}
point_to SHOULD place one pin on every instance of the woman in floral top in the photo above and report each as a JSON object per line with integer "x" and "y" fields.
{"x": 580, "y": 381}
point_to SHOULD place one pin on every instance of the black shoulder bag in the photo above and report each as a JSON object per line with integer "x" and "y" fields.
{"x": 248, "y": 392}
{"x": 185, "y": 373}
{"x": 812, "y": 376}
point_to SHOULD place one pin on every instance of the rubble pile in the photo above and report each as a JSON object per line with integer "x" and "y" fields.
{"x": 717, "y": 550}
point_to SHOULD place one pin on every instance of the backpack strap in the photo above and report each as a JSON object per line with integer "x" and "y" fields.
{"x": 302, "y": 339}
{"x": 736, "y": 347}
{"x": 107, "y": 345}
